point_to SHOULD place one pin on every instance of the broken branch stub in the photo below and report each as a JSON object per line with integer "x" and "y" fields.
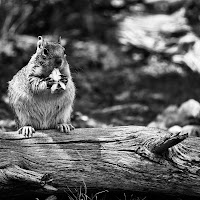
{"x": 163, "y": 144}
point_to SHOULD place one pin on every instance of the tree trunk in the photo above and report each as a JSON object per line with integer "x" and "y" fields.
{"x": 131, "y": 158}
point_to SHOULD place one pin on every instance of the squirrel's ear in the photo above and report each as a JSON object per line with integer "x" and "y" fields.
{"x": 40, "y": 42}
{"x": 59, "y": 40}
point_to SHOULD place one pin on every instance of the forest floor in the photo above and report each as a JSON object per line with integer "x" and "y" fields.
{"x": 134, "y": 95}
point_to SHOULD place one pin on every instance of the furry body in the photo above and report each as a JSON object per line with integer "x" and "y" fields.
{"x": 32, "y": 101}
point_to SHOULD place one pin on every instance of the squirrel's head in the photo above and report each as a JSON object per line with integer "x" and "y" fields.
{"x": 50, "y": 55}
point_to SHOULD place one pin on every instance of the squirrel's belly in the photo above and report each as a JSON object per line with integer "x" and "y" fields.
{"x": 45, "y": 114}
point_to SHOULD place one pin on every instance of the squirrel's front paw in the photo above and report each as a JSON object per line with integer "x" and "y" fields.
{"x": 27, "y": 131}
{"x": 43, "y": 85}
{"x": 56, "y": 82}
{"x": 49, "y": 82}
{"x": 65, "y": 128}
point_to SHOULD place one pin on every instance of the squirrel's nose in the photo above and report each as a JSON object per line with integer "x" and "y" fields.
{"x": 58, "y": 62}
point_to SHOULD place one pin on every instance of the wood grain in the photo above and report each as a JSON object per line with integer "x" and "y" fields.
{"x": 131, "y": 158}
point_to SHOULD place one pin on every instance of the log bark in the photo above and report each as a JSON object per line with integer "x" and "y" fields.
{"x": 131, "y": 158}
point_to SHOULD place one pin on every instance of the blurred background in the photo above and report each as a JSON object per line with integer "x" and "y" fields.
{"x": 134, "y": 62}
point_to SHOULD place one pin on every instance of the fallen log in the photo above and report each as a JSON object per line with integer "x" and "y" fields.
{"x": 131, "y": 158}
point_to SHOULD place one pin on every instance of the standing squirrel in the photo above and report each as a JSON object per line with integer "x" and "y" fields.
{"x": 42, "y": 93}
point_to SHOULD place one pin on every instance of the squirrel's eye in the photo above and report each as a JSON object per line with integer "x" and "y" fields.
{"x": 45, "y": 52}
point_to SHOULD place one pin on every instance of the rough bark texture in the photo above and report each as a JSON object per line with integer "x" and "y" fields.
{"x": 127, "y": 158}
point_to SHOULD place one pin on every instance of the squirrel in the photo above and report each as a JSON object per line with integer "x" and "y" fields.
{"x": 42, "y": 93}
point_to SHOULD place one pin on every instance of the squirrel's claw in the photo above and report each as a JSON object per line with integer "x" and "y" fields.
{"x": 27, "y": 131}
{"x": 65, "y": 128}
